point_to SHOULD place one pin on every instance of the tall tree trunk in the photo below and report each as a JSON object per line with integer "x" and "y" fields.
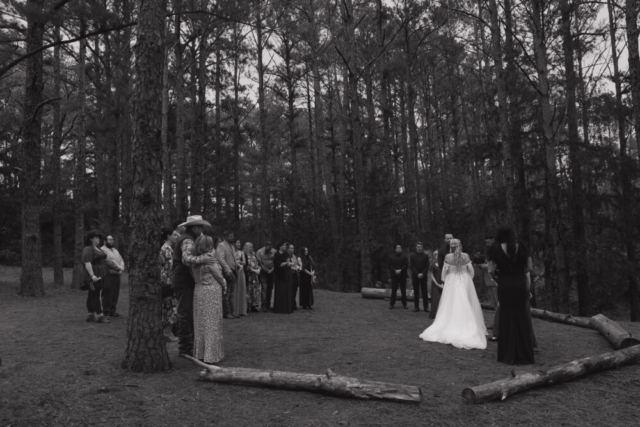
{"x": 555, "y": 272}
{"x": 627, "y": 218}
{"x": 181, "y": 160}
{"x": 31, "y": 283}
{"x": 218, "y": 133}
{"x": 166, "y": 149}
{"x": 146, "y": 350}
{"x": 503, "y": 112}
{"x": 58, "y": 272}
{"x": 364, "y": 231}
{"x": 579, "y": 249}
{"x": 237, "y": 133}
{"x": 263, "y": 141}
{"x": 80, "y": 168}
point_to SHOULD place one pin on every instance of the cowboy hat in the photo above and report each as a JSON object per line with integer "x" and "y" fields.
{"x": 195, "y": 220}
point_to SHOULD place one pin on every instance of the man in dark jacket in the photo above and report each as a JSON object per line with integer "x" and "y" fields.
{"x": 398, "y": 264}
{"x": 419, "y": 265}
{"x": 442, "y": 252}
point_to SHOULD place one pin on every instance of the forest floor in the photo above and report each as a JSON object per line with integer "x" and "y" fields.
{"x": 59, "y": 370}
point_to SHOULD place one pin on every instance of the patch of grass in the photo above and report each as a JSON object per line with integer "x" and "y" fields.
{"x": 59, "y": 370}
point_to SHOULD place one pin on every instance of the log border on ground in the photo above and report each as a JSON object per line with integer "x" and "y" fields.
{"x": 583, "y": 322}
{"x": 329, "y": 383}
{"x": 613, "y": 332}
{"x": 504, "y": 388}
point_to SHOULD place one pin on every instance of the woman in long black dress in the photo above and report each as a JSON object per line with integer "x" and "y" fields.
{"x": 510, "y": 261}
{"x": 283, "y": 292}
{"x": 306, "y": 280}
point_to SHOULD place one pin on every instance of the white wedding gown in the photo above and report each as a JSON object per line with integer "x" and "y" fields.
{"x": 459, "y": 320}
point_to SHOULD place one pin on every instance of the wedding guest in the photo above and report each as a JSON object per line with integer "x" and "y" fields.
{"x": 240, "y": 298}
{"x": 492, "y": 287}
{"x": 168, "y": 237}
{"x": 182, "y": 282}
{"x": 115, "y": 264}
{"x": 95, "y": 271}
{"x": 307, "y": 278}
{"x": 207, "y": 304}
{"x": 398, "y": 265}
{"x": 419, "y": 266}
{"x": 443, "y": 251}
{"x": 509, "y": 261}
{"x": 265, "y": 257}
{"x": 295, "y": 274}
{"x": 226, "y": 254}
{"x": 252, "y": 270}
{"x": 282, "y": 289}
{"x": 437, "y": 285}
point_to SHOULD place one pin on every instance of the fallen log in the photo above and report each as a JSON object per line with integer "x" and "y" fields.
{"x": 613, "y": 332}
{"x": 379, "y": 293}
{"x": 583, "y": 322}
{"x": 329, "y": 383}
{"x": 502, "y": 389}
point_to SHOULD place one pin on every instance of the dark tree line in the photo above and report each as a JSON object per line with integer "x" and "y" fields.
{"x": 344, "y": 126}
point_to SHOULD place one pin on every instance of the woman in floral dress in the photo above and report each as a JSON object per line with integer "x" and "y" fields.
{"x": 252, "y": 270}
{"x": 207, "y": 305}
{"x": 169, "y": 303}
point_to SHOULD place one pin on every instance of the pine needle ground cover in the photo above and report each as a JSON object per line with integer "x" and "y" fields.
{"x": 59, "y": 370}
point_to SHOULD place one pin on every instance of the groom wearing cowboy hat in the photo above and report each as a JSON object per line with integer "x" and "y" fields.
{"x": 182, "y": 280}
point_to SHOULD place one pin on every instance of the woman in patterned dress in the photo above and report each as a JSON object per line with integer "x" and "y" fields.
{"x": 169, "y": 303}
{"x": 207, "y": 305}
{"x": 252, "y": 270}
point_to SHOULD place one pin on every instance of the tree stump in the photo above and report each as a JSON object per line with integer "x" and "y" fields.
{"x": 329, "y": 383}
{"x": 613, "y": 332}
{"x": 502, "y": 389}
{"x": 583, "y": 322}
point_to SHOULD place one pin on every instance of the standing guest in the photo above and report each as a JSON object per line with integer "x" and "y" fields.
{"x": 111, "y": 293}
{"x": 419, "y": 265}
{"x": 295, "y": 274}
{"x": 265, "y": 257}
{"x": 492, "y": 287}
{"x": 252, "y": 270}
{"x": 95, "y": 271}
{"x": 240, "y": 297}
{"x": 307, "y": 277}
{"x": 182, "y": 282}
{"x": 437, "y": 285}
{"x": 510, "y": 262}
{"x": 226, "y": 254}
{"x": 398, "y": 264}
{"x": 207, "y": 304}
{"x": 168, "y": 237}
{"x": 282, "y": 290}
{"x": 442, "y": 252}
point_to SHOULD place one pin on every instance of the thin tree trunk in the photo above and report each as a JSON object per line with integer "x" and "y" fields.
{"x": 181, "y": 160}
{"x": 146, "y": 350}
{"x": 555, "y": 275}
{"x": 627, "y": 218}
{"x": 166, "y": 155}
{"x": 31, "y": 283}
{"x": 58, "y": 272}
{"x": 578, "y": 201}
{"x": 503, "y": 112}
{"x": 80, "y": 169}
{"x": 263, "y": 141}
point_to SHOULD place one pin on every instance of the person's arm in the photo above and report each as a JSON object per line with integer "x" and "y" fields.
{"x": 412, "y": 266}
{"x": 188, "y": 257}
{"x": 445, "y": 271}
{"x": 119, "y": 260}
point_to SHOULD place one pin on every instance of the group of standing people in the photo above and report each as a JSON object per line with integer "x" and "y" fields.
{"x": 206, "y": 279}
{"x": 102, "y": 267}
{"x": 449, "y": 272}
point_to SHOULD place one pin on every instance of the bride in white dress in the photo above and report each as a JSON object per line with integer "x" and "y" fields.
{"x": 459, "y": 320}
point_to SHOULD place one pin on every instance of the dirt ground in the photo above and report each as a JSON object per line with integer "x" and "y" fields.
{"x": 59, "y": 370}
